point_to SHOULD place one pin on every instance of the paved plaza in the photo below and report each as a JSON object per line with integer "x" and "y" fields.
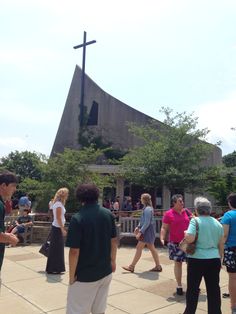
{"x": 27, "y": 289}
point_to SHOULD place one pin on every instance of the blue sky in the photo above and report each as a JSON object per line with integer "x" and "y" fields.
{"x": 153, "y": 53}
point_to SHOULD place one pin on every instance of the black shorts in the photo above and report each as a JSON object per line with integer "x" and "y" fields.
{"x": 230, "y": 259}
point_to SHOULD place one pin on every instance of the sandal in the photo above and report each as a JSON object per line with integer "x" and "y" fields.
{"x": 129, "y": 268}
{"x": 157, "y": 268}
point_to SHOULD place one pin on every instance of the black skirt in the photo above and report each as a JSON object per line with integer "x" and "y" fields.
{"x": 56, "y": 260}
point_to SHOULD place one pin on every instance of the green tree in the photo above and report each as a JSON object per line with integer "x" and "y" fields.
{"x": 29, "y": 168}
{"x": 70, "y": 168}
{"x": 230, "y": 159}
{"x": 24, "y": 164}
{"x": 174, "y": 153}
{"x": 41, "y": 177}
{"x": 222, "y": 179}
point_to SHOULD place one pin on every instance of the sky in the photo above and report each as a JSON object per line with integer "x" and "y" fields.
{"x": 174, "y": 53}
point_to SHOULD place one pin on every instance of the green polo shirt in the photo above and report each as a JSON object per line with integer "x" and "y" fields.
{"x": 91, "y": 231}
{"x": 2, "y": 229}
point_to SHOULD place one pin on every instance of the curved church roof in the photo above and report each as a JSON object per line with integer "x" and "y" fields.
{"x": 106, "y": 117}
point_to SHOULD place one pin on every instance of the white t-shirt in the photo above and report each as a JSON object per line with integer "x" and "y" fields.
{"x": 63, "y": 211}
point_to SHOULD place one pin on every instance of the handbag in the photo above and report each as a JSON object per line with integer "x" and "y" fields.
{"x": 189, "y": 248}
{"x": 45, "y": 247}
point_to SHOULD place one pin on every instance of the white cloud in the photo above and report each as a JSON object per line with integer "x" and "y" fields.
{"x": 219, "y": 118}
{"x": 12, "y": 143}
{"x": 26, "y": 114}
{"x": 17, "y": 142}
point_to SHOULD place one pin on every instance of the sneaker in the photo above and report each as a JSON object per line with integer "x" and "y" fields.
{"x": 179, "y": 291}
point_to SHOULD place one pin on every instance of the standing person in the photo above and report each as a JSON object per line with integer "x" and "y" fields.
{"x": 206, "y": 261}
{"x": 116, "y": 205}
{"x": 92, "y": 255}
{"x": 8, "y": 182}
{"x": 176, "y": 221}
{"x": 56, "y": 260}
{"x": 229, "y": 224}
{"x": 145, "y": 234}
{"x": 50, "y": 209}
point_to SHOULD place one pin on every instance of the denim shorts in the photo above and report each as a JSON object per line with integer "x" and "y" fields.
{"x": 175, "y": 253}
{"x": 20, "y": 229}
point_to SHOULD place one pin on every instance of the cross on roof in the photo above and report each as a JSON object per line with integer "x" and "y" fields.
{"x": 81, "y": 105}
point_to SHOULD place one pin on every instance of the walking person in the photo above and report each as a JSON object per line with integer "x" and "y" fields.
{"x": 8, "y": 182}
{"x": 56, "y": 260}
{"x": 206, "y": 261}
{"x": 175, "y": 221}
{"x": 145, "y": 234}
{"x": 229, "y": 224}
{"x": 92, "y": 255}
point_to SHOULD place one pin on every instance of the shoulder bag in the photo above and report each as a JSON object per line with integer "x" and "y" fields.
{"x": 189, "y": 248}
{"x": 45, "y": 246}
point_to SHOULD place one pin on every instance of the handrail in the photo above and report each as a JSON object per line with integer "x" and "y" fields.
{"x": 128, "y": 224}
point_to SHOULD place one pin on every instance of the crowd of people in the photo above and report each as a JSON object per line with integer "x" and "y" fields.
{"x": 92, "y": 242}
{"x": 127, "y": 205}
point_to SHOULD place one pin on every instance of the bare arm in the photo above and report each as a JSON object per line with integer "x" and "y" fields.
{"x": 30, "y": 223}
{"x": 221, "y": 247}
{"x": 113, "y": 253}
{"x": 27, "y": 224}
{"x": 164, "y": 229}
{"x": 73, "y": 261}
{"x": 58, "y": 216}
{"x": 226, "y": 232}
{"x": 189, "y": 237}
{"x": 8, "y": 238}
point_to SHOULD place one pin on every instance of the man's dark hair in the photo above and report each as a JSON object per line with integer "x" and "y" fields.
{"x": 232, "y": 199}
{"x": 87, "y": 193}
{"x": 8, "y": 177}
{"x": 175, "y": 198}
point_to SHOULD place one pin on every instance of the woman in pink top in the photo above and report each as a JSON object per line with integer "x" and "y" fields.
{"x": 176, "y": 221}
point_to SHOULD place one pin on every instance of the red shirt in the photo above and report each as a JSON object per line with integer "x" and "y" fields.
{"x": 178, "y": 223}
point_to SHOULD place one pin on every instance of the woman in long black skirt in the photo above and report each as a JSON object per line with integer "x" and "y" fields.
{"x": 56, "y": 261}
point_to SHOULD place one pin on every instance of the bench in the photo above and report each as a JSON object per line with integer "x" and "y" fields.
{"x": 126, "y": 226}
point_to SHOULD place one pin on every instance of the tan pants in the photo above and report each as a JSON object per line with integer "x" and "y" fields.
{"x": 88, "y": 297}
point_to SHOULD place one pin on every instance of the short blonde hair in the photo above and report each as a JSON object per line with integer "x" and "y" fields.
{"x": 61, "y": 195}
{"x": 146, "y": 199}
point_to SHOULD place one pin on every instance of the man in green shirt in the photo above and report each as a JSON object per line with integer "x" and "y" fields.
{"x": 8, "y": 182}
{"x": 92, "y": 256}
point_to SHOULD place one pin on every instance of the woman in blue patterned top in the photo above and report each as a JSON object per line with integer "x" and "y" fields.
{"x": 145, "y": 234}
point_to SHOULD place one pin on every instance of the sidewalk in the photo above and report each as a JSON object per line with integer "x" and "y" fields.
{"x": 26, "y": 289}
